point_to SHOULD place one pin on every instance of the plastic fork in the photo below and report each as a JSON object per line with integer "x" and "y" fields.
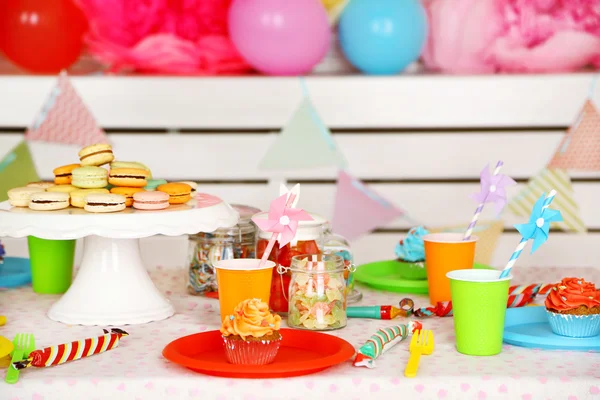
{"x": 24, "y": 344}
{"x": 421, "y": 343}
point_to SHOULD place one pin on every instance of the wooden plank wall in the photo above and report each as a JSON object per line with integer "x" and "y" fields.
{"x": 427, "y": 165}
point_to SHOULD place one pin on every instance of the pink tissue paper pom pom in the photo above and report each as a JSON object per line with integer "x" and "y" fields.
{"x": 487, "y": 36}
{"x": 162, "y": 36}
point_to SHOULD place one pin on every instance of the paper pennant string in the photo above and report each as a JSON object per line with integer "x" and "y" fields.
{"x": 334, "y": 9}
{"x": 488, "y": 232}
{"x": 358, "y": 209}
{"x": 64, "y": 118}
{"x": 16, "y": 169}
{"x": 580, "y": 147}
{"x": 548, "y": 179}
{"x": 305, "y": 142}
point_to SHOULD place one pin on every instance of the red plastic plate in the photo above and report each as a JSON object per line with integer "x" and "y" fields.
{"x": 301, "y": 353}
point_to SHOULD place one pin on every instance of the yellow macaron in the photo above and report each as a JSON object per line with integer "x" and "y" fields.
{"x": 96, "y": 155}
{"x": 78, "y": 196}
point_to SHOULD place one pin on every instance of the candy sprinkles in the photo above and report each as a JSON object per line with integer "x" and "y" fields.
{"x": 62, "y": 353}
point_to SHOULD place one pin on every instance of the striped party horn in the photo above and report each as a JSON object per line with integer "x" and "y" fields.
{"x": 518, "y": 296}
{"x": 479, "y": 209}
{"x": 383, "y": 340}
{"x": 62, "y": 353}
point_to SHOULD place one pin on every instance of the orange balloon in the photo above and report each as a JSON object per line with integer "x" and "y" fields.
{"x": 42, "y": 36}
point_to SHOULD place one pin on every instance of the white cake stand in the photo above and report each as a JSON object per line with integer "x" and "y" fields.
{"x": 113, "y": 286}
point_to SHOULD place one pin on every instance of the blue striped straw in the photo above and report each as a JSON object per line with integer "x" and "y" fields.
{"x": 479, "y": 209}
{"x": 523, "y": 241}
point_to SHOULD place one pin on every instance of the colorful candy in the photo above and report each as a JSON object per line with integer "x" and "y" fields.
{"x": 518, "y": 296}
{"x": 62, "y": 353}
{"x": 382, "y": 341}
{"x": 382, "y": 312}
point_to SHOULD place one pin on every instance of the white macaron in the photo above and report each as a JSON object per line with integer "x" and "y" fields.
{"x": 49, "y": 201}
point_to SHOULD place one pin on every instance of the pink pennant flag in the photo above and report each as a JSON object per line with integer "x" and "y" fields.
{"x": 64, "y": 118}
{"x": 580, "y": 147}
{"x": 358, "y": 209}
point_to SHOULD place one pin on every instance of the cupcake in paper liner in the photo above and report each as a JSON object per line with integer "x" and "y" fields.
{"x": 251, "y": 334}
{"x": 573, "y": 308}
{"x": 410, "y": 251}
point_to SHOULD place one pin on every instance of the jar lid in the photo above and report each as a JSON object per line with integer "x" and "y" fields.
{"x": 307, "y": 230}
{"x": 317, "y": 263}
{"x": 243, "y": 227}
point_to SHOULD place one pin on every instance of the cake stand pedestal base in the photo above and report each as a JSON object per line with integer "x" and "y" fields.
{"x": 112, "y": 288}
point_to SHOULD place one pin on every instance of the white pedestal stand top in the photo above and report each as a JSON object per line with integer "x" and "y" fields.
{"x": 113, "y": 286}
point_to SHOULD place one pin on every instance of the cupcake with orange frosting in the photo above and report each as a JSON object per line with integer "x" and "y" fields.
{"x": 573, "y": 308}
{"x": 251, "y": 334}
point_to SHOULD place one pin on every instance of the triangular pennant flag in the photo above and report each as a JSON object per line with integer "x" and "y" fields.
{"x": 580, "y": 147}
{"x": 488, "y": 232}
{"x": 304, "y": 142}
{"x": 16, "y": 169}
{"x": 64, "y": 118}
{"x": 358, "y": 209}
{"x": 548, "y": 179}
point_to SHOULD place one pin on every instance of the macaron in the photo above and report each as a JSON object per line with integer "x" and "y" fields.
{"x": 130, "y": 164}
{"x": 62, "y": 189}
{"x": 104, "y": 203}
{"x": 153, "y": 184}
{"x": 90, "y": 177}
{"x": 19, "y": 197}
{"x": 48, "y": 201}
{"x": 63, "y": 175}
{"x": 127, "y": 192}
{"x": 150, "y": 200}
{"x": 43, "y": 185}
{"x": 78, "y": 196}
{"x": 193, "y": 185}
{"x": 96, "y": 155}
{"x": 128, "y": 177}
{"x": 179, "y": 193}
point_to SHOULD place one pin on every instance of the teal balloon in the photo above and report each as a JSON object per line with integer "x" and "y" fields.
{"x": 382, "y": 37}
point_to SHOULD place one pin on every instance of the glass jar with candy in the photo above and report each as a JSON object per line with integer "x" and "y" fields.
{"x": 317, "y": 294}
{"x": 226, "y": 243}
{"x": 339, "y": 245}
{"x": 309, "y": 239}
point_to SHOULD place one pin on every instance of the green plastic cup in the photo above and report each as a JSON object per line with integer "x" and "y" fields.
{"x": 479, "y": 300}
{"x": 51, "y": 264}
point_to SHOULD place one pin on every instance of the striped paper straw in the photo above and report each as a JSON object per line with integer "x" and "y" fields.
{"x": 479, "y": 209}
{"x": 523, "y": 241}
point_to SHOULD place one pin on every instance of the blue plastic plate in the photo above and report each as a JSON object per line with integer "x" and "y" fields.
{"x": 15, "y": 272}
{"x": 529, "y": 327}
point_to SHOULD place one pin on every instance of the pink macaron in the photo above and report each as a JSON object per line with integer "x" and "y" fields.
{"x": 150, "y": 200}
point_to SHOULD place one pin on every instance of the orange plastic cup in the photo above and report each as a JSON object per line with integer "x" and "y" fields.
{"x": 241, "y": 279}
{"x": 445, "y": 252}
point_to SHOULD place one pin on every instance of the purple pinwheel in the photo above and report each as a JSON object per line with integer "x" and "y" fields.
{"x": 493, "y": 188}
{"x": 282, "y": 220}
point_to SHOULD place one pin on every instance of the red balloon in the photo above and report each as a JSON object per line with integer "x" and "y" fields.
{"x": 42, "y": 36}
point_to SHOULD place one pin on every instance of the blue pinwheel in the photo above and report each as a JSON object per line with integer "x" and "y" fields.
{"x": 538, "y": 226}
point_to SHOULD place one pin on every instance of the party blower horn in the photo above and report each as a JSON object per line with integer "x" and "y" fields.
{"x": 493, "y": 190}
{"x": 538, "y": 228}
{"x": 282, "y": 221}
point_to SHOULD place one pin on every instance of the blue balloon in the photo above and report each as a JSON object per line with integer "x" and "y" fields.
{"x": 382, "y": 37}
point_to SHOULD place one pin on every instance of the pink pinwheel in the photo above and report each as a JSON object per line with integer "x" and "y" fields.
{"x": 282, "y": 220}
{"x": 493, "y": 189}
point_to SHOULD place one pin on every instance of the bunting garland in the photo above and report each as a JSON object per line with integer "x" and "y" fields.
{"x": 548, "y": 179}
{"x": 16, "y": 169}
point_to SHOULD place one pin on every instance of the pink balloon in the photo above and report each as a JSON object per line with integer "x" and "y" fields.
{"x": 280, "y": 37}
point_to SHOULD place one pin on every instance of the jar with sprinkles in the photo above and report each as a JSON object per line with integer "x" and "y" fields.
{"x": 223, "y": 244}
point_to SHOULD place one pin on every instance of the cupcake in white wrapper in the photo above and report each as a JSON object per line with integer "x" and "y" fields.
{"x": 573, "y": 308}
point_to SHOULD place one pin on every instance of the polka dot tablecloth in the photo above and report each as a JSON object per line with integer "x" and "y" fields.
{"x": 137, "y": 370}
